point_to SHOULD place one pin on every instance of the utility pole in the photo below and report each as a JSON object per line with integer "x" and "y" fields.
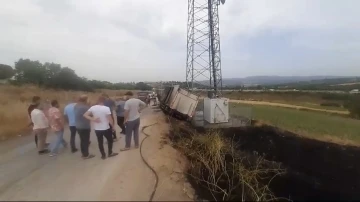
{"x": 203, "y": 65}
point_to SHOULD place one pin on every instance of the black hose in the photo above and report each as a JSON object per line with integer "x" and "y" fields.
{"x": 146, "y": 163}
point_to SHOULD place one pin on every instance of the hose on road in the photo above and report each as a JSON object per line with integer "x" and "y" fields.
{"x": 146, "y": 163}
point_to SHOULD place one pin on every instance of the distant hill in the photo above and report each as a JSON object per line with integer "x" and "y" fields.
{"x": 275, "y": 80}
{"x": 342, "y": 84}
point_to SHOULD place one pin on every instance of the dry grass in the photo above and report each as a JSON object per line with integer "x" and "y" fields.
{"x": 224, "y": 172}
{"x": 15, "y": 100}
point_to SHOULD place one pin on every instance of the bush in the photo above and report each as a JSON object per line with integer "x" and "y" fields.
{"x": 333, "y": 96}
{"x": 330, "y": 104}
{"x": 353, "y": 105}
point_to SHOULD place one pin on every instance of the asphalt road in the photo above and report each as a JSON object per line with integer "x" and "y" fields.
{"x": 24, "y": 175}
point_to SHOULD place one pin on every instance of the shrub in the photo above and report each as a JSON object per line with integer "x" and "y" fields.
{"x": 353, "y": 105}
{"x": 333, "y": 96}
{"x": 330, "y": 104}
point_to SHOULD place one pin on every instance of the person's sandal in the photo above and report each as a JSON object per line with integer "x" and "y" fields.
{"x": 124, "y": 149}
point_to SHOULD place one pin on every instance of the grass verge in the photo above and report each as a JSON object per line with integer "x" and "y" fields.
{"x": 315, "y": 125}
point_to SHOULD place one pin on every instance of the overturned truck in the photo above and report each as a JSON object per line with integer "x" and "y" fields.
{"x": 178, "y": 102}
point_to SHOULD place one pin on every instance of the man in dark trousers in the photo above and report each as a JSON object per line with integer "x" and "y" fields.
{"x": 100, "y": 115}
{"x": 111, "y": 104}
{"x": 120, "y": 113}
{"x": 35, "y": 102}
{"x": 83, "y": 126}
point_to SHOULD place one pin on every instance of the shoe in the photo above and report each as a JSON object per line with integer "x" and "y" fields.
{"x": 45, "y": 151}
{"x": 74, "y": 150}
{"x": 89, "y": 156}
{"x": 112, "y": 154}
{"x": 52, "y": 154}
{"x": 136, "y": 147}
{"x": 115, "y": 139}
{"x": 103, "y": 157}
{"x": 125, "y": 149}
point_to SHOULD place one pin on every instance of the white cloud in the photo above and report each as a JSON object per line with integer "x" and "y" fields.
{"x": 121, "y": 40}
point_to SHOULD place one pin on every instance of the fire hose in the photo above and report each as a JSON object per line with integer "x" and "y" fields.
{"x": 146, "y": 163}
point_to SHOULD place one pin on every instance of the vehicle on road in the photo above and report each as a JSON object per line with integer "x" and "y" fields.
{"x": 142, "y": 95}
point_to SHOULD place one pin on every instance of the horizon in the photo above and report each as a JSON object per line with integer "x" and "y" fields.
{"x": 118, "y": 41}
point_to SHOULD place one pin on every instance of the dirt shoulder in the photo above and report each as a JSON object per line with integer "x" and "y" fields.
{"x": 28, "y": 176}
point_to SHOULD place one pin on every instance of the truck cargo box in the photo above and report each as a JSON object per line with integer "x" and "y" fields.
{"x": 179, "y": 102}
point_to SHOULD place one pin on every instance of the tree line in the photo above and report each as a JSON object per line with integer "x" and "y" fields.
{"x": 52, "y": 75}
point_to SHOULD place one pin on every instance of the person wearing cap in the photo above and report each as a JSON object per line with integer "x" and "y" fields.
{"x": 133, "y": 107}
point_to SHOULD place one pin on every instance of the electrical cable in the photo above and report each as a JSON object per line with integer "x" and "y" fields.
{"x": 146, "y": 163}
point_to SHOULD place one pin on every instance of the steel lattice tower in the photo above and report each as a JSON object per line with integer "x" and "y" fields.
{"x": 203, "y": 45}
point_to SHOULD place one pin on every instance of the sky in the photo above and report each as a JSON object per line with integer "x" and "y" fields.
{"x": 145, "y": 40}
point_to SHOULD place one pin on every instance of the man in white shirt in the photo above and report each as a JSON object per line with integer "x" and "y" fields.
{"x": 40, "y": 127}
{"x": 100, "y": 115}
{"x": 132, "y": 107}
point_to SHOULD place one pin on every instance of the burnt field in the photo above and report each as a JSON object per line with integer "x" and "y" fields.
{"x": 315, "y": 169}
{"x": 310, "y": 169}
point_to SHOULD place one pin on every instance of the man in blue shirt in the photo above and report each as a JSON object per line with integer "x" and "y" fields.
{"x": 69, "y": 114}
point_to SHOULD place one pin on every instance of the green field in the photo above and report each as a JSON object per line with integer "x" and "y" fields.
{"x": 318, "y": 106}
{"x": 306, "y": 123}
{"x": 312, "y": 100}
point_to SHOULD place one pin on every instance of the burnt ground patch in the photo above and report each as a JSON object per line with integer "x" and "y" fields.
{"x": 315, "y": 169}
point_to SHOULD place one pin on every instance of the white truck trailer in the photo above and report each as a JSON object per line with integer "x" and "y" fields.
{"x": 178, "y": 102}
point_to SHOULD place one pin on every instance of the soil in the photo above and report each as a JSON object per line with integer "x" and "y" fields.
{"x": 315, "y": 170}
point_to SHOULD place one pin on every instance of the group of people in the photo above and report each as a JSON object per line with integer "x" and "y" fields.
{"x": 151, "y": 96}
{"x": 81, "y": 118}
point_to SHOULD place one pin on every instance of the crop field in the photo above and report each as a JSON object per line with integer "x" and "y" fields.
{"x": 306, "y": 123}
{"x": 303, "y": 99}
{"x": 14, "y": 102}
